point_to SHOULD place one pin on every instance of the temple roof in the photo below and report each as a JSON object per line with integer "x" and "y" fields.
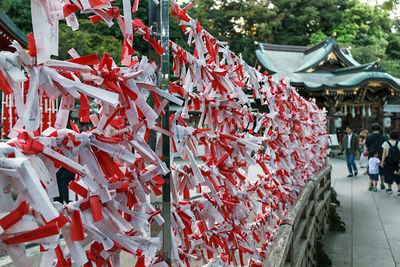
{"x": 323, "y": 66}
{"x": 9, "y": 32}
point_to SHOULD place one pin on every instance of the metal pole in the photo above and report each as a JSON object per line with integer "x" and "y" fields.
{"x": 2, "y": 115}
{"x": 154, "y": 22}
{"x": 166, "y": 189}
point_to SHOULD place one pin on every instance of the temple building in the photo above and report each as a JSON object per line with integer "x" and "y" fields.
{"x": 9, "y": 32}
{"x": 352, "y": 93}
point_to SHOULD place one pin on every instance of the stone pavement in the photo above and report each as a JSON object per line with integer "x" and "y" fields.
{"x": 372, "y": 236}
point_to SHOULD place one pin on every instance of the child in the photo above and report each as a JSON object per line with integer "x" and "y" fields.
{"x": 373, "y": 170}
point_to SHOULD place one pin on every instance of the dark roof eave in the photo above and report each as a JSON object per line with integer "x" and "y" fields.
{"x": 315, "y": 47}
{"x": 391, "y": 83}
{"x": 8, "y": 24}
{"x": 284, "y": 48}
{"x": 360, "y": 68}
{"x": 341, "y": 55}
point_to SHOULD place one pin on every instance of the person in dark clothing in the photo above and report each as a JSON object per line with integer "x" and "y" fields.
{"x": 374, "y": 142}
{"x": 390, "y": 162}
{"x": 351, "y": 145}
{"x": 64, "y": 177}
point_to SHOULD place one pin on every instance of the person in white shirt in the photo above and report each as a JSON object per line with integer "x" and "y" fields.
{"x": 373, "y": 170}
{"x": 391, "y": 160}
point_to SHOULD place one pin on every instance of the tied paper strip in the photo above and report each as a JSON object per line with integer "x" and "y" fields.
{"x": 240, "y": 231}
{"x": 222, "y": 209}
{"x": 115, "y": 169}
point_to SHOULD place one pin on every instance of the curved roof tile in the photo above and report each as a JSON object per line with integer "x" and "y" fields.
{"x": 293, "y": 63}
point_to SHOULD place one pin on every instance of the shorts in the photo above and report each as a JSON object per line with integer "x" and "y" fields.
{"x": 374, "y": 177}
{"x": 390, "y": 177}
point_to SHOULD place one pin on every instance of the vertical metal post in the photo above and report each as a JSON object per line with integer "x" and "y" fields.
{"x": 2, "y": 115}
{"x": 166, "y": 189}
{"x": 154, "y": 22}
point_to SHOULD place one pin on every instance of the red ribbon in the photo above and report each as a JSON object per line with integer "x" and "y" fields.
{"x": 4, "y": 85}
{"x": 42, "y": 232}
{"x": 68, "y": 9}
{"x": 86, "y": 60}
{"x": 14, "y": 216}
{"x": 77, "y": 232}
{"x": 95, "y": 207}
{"x": 78, "y": 189}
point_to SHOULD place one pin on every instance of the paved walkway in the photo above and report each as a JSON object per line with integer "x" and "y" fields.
{"x": 372, "y": 236}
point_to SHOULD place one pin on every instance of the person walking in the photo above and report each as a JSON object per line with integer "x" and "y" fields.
{"x": 351, "y": 144}
{"x": 363, "y": 148}
{"x": 390, "y": 161}
{"x": 374, "y": 141}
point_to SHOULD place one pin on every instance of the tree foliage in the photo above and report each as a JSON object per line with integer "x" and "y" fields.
{"x": 300, "y": 19}
{"x": 390, "y": 4}
{"x": 89, "y": 39}
{"x": 393, "y": 46}
{"x": 366, "y": 29}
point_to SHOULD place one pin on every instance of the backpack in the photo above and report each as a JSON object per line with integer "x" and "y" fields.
{"x": 393, "y": 156}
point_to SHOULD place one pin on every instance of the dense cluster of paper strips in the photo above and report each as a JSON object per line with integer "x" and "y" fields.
{"x": 236, "y": 214}
{"x": 218, "y": 212}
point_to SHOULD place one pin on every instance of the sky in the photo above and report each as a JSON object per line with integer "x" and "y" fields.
{"x": 372, "y": 2}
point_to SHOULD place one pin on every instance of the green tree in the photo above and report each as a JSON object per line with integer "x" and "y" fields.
{"x": 367, "y": 29}
{"x": 20, "y": 12}
{"x": 393, "y": 46}
{"x": 390, "y": 4}
{"x": 317, "y": 37}
{"x": 363, "y": 25}
{"x": 302, "y": 19}
{"x": 291, "y": 22}
{"x": 90, "y": 38}
{"x": 391, "y": 61}
{"x": 369, "y": 53}
{"x": 240, "y": 23}
{"x": 391, "y": 66}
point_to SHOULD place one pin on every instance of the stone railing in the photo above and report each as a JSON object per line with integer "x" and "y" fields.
{"x": 305, "y": 223}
